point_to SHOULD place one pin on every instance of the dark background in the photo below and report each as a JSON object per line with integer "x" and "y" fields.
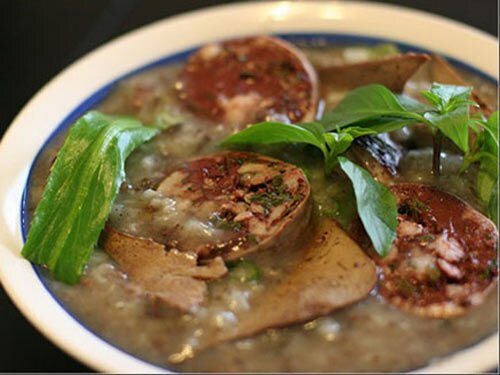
{"x": 39, "y": 38}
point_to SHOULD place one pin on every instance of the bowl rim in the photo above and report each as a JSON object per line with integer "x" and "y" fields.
{"x": 24, "y": 287}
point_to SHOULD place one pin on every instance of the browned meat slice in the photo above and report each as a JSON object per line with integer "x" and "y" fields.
{"x": 243, "y": 201}
{"x": 333, "y": 272}
{"x": 246, "y": 80}
{"x": 379, "y": 155}
{"x": 170, "y": 276}
{"x": 441, "y": 71}
{"x": 392, "y": 72}
{"x": 444, "y": 258}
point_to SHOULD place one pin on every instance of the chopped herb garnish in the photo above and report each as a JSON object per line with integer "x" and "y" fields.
{"x": 426, "y": 237}
{"x": 277, "y": 181}
{"x": 270, "y": 199}
{"x": 489, "y": 271}
{"x": 434, "y": 274}
{"x": 487, "y": 274}
{"x": 406, "y": 288}
{"x": 413, "y": 208}
{"x": 244, "y": 270}
{"x": 223, "y": 223}
{"x": 418, "y": 205}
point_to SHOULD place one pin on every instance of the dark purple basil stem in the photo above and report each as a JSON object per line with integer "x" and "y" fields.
{"x": 437, "y": 143}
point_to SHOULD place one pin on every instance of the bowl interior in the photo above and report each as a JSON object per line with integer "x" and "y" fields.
{"x": 346, "y": 23}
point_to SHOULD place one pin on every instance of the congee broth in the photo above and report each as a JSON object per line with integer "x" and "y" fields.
{"x": 201, "y": 330}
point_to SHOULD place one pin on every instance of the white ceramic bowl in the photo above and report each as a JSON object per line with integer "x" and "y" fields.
{"x": 82, "y": 80}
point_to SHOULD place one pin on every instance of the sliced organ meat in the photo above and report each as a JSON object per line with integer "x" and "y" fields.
{"x": 170, "y": 276}
{"x": 244, "y": 201}
{"x": 392, "y": 72}
{"x": 247, "y": 80}
{"x": 444, "y": 258}
{"x": 333, "y": 272}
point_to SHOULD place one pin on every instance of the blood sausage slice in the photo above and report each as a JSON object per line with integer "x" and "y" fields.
{"x": 246, "y": 80}
{"x": 244, "y": 201}
{"x": 444, "y": 259}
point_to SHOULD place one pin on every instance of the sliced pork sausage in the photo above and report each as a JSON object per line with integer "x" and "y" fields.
{"x": 242, "y": 201}
{"x": 247, "y": 80}
{"x": 444, "y": 258}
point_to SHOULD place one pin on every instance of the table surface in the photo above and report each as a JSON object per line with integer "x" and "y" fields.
{"x": 40, "y": 38}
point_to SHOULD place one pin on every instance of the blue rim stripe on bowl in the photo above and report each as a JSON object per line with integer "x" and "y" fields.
{"x": 337, "y": 39}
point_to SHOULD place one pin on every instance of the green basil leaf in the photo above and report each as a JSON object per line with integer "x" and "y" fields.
{"x": 365, "y": 103}
{"x": 432, "y": 98}
{"x": 80, "y": 191}
{"x": 450, "y": 96}
{"x": 485, "y": 181}
{"x": 490, "y": 136}
{"x": 358, "y": 131}
{"x": 485, "y": 152}
{"x": 337, "y": 144}
{"x": 386, "y": 124}
{"x": 377, "y": 206}
{"x": 412, "y": 105}
{"x": 315, "y": 128}
{"x": 274, "y": 132}
{"x": 487, "y": 177}
{"x": 453, "y": 124}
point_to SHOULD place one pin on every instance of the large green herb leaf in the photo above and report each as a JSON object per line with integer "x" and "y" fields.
{"x": 490, "y": 140}
{"x": 366, "y": 103}
{"x": 315, "y": 128}
{"x": 486, "y": 153}
{"x": 337, "y": 144}
{"x": 412, "y": 105}
{"x": 446, "y": 98}
{"x": 274, "y": 133}
{"x": 382, "y": 124}
{"x": 80, "y": 191}
{"x": 452, "y": 112}
{"x": 377, "y": 206}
